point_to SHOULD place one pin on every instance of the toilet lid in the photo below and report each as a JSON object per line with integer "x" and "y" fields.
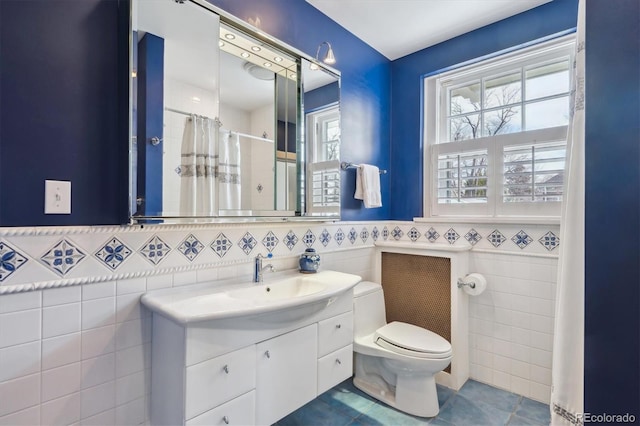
{"x": 412, "y": 340}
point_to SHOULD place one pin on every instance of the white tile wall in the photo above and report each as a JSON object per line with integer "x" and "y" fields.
{"x": 81, "y": 354}
{"x": 511, "y": 323}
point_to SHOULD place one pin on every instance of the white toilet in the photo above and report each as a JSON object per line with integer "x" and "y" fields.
{"x": 395, "y": 362}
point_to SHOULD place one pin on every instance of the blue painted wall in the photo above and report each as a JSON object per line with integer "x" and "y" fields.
{"x": 406, "y": 106}
{"x": 59, "y": 117}
{"x": 612, "y": 327}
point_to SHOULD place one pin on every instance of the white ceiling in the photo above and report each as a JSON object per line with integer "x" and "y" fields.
{"x": 397, "y": 28}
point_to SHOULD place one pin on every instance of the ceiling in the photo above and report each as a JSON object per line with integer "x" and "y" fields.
{"x": 397, "y": 28}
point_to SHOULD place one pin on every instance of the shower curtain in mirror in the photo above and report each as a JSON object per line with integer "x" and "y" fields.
{"x": 197, "y": 168}
{"x": 568, "y": 344}
{"x": 229, "y": 172}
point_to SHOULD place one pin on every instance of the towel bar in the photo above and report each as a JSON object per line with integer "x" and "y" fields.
{"x": 345, "y": 165}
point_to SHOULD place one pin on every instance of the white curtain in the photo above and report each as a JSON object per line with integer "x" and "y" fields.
{"x": 197, "y": 168}
{"x": 229, "y": 176}
{"x": 568, "y": 344}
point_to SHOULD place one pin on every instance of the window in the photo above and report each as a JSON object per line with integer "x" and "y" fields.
{"x": 323, "y": 133}
{"x": 496, "y": 133}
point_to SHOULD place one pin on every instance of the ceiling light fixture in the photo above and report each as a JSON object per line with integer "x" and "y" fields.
{"x": 256, "y": 48}
{"x": 278, "y": 59}
{"x": 245, "y": 55}
{"x": 229, "y": 36}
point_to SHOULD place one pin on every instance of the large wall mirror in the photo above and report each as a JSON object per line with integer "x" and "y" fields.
{"x": 227, "y": 122}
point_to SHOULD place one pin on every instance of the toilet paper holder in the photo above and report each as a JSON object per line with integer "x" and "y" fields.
{"x": 462, "y": 283}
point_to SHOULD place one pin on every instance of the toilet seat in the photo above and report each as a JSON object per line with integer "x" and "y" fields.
{"x": 411, "y": 340}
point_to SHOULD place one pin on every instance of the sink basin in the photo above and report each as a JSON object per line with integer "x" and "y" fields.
{"x": 283, "y": 289}
{"x": 281, "y": 295}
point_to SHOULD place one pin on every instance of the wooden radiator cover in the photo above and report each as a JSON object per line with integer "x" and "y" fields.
{"x": 417, "y": 290}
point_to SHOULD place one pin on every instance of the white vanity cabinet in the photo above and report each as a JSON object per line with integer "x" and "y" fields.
{"x": 248, "y": 370}
{"x": 286, "y": 374}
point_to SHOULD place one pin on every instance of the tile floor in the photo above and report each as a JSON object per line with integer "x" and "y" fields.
{"x": 476, "y": 404}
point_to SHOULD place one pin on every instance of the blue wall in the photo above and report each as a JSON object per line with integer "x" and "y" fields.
{"x": 59, "y": 115}
{"x": 612, "y": 323}
{"x": 406, "y": 106}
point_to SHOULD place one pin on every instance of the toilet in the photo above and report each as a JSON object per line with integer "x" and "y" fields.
{"x": 396, "y": 362}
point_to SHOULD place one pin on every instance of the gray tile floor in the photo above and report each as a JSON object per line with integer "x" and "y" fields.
{"x": 476, "y": 404}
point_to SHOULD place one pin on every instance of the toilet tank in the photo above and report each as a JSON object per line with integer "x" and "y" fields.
{"x": 368, "y": 308}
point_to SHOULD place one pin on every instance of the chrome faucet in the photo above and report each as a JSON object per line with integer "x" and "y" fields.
{"x": 258, "y": 269}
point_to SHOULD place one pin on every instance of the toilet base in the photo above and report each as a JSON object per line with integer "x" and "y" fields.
{"x": 411, "y": 392}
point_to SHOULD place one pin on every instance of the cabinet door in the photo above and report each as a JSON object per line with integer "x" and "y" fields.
{"x": 286, "y": 374}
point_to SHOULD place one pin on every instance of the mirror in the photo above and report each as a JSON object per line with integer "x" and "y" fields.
{"x": 218, "y": 121}
{"x": 321, "y": 109}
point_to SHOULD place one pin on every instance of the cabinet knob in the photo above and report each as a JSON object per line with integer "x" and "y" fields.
{"x": 226, "y": 369}
{"x": 338, "y": 326}
{"x": 267, "y": 354}
{"x": 225, "y": 419}
{"x": 338, "y": 361}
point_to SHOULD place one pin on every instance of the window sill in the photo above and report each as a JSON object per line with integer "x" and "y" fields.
{"x": 518, "y": 220}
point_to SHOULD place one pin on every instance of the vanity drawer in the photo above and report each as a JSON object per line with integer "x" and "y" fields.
{"x": 213, "y": 382}
{"x": 239, "y": 411}
{"x": 334, "y": 368}
{"x": 334, "y": 333}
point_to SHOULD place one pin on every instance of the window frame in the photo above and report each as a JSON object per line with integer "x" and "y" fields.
{"x": 435, "y": 132}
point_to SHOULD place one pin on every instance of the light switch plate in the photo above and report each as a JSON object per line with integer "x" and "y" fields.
{"x": 57, "y": 197}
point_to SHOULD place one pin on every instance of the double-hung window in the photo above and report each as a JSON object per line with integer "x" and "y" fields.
{"x": 496, "y": 134}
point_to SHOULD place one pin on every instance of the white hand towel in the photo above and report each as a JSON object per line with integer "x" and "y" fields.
{"x": 368, "y": 186}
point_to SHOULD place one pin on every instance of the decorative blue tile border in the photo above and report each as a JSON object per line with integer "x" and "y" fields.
{"x": 121, "y": 243}
{"x": 451, "y": 236}
{"x": 473, "y": 237}
{"x": 432, "y": 235}
{"x": 413, "y": 234}
{"x": 521, "y": 239}
{"x": 247, "y": 243}
{"x": 375, "y": 234}
{"x": 496, "y": 238}
{"x": 397, "y": 233}
{"x": 113, "y": 253}
{"x": 270, "y": 241}
{"x": 221, "y": 245}
{"x": 364, "y": 235}
{"x": 62, "y": 257}
{"x": 308, "y": 238}
{"x": 549, "y": 241}
{"x": 353, "y": 235}
{"x": 155, "y": 250}
{"x": 290, "y": 240}
{"x": 10, "y": 260}
{"x": 325, "y": 237}
{"x": 190, "y": 247}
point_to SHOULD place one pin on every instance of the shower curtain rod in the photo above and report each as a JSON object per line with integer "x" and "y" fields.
{"x": 244, "y": 135}
{"x": 186, "y": 113}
